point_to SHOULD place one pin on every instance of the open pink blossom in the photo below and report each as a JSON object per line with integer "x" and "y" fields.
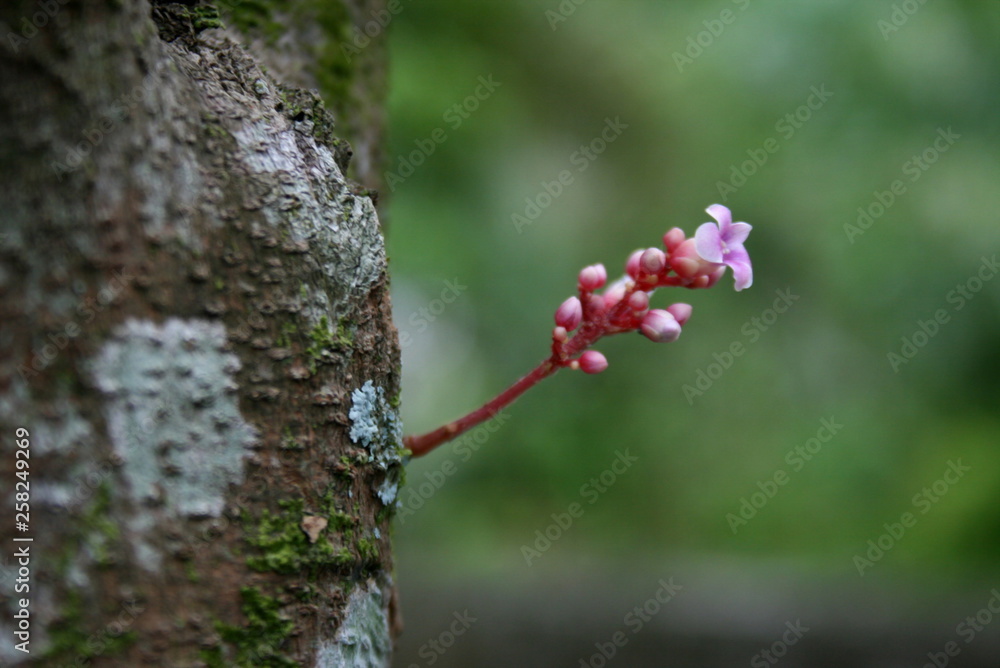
{"x": 722, "y": 243}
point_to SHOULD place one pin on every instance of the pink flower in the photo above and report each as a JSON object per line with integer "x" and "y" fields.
{"x": 722, "y": 243}
{"x": 569, "y": 314}
{"x": 593, "y": 362}
{"x": 660, "y": 326}
{"x": 622, "y": 306}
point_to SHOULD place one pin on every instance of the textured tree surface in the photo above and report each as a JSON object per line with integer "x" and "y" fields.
{"x": 195, "y": 336}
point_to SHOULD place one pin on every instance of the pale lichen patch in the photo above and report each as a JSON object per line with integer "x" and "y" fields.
{"x": 342, "y": 229}
{"x": 362, "y": 641}
{"x": 172, "y": 414}
{"x": 375, "y": 425}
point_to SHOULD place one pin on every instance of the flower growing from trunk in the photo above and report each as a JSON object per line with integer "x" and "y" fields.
{"x": 622, "y": 307}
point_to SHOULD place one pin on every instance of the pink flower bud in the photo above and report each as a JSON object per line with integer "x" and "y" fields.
{"x": 632, "y": 266}
{"x": 680, "y": 311}
{"x": 593, "y": 277}
{"x": 639, "y": 301}
{"x": 686, "y": 262}
{"x": 652, "y": 261}
{"x": 569, "y": 314}
{"x": 593, "y": 362}
{"x": 673, "y": 238}
{"x": 559, "y": 334}
{"x": 660, "y": 326}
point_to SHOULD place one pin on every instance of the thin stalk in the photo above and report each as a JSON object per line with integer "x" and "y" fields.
{"x": 421, "y": 445}
{"x": 588, "y": 334}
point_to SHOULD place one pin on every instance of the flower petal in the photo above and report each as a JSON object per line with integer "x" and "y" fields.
{"x": 721, "y": 214}
{"x": 708, "y": 242}
{"x": 739, "y": 260}
{"x": 736, "y": 234}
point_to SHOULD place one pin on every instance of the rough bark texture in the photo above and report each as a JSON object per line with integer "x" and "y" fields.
{"x": 195, "y": 334}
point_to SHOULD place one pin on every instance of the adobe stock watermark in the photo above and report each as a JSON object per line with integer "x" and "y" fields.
{"x": 633, "y": 621}
{"x": 57, "y": 341}
{"x": 417, "y": 492}
{"x": 120, "y": 109}
{"x": 435, "y": 648}
{"x": 752, "y": 330}
{"x": 362, "y": 36}
{"x": 957, "y": 297}
{"x": 580, "y": 159}
{"x": 922, "y": 502}
{"x": 898, "y": 17}
{"x": 698, "y": 43}
{"x": 915, "y": 167}
{"x": 967, "y": 630}
{"x": 796, "y": 458}
{"x": 562, "y": 12}
{"x": 454, "y": 117}
{"x": 591, "y": 491}
{"x": 769, "y": 656}
{"x": 422, "y": 318}
{"x": 786, "y": 127}
{"x": 31, "y": 24}
{"x": 107, "y": 638}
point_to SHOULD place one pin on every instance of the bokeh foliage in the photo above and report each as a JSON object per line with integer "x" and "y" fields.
{"x": 825, "y": 357}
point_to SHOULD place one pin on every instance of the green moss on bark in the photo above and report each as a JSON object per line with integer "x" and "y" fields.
{"x": 260, "y": 642}
{"x": 71, "y": 639}
{"x": 280, "y": 544}
{"x": 332, "y": 65}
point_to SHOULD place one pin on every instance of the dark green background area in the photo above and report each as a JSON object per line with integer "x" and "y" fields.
{"x": 858, "y": 294}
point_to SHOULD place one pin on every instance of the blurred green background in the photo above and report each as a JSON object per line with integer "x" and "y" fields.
{"x": 704, "y": 89}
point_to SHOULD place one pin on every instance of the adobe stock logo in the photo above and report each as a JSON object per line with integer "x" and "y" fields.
{"x": 786, "y": 126}
{"x": 698, "y": 43}
{"x": 581, "y": 159}
{"x": 422, "y": 318}
{"x": 912, "y": 169}
{"x": 752, "y": 329}
{"x": 796, "y": 458}
{"x": 923, "y": 501}
{"x": 592, "y": 491}
{"x": 454, "y": 116}
{"x": 958, "y": 297}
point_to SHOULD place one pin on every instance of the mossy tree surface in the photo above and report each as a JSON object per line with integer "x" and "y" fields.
{"x": 196, "y": 334}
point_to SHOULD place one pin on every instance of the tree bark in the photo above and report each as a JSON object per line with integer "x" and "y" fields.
{"x": 197, "y": 352}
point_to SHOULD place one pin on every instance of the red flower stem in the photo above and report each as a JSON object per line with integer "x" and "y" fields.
{"x": 421, "y": 445}
{"x": 588, "y": 334}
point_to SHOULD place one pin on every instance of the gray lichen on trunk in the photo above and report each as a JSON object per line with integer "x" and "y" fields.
{"x": 192, "y": 294}
{"x": 171, "y": 414}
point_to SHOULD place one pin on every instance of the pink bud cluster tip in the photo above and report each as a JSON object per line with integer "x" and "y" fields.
{"x": 623, "y": 306}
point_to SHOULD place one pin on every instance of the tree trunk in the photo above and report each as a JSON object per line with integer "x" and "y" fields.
{"x": 199, "y": 375}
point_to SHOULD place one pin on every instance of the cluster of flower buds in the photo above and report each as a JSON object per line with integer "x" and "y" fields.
{"x": 698, "y": 262}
